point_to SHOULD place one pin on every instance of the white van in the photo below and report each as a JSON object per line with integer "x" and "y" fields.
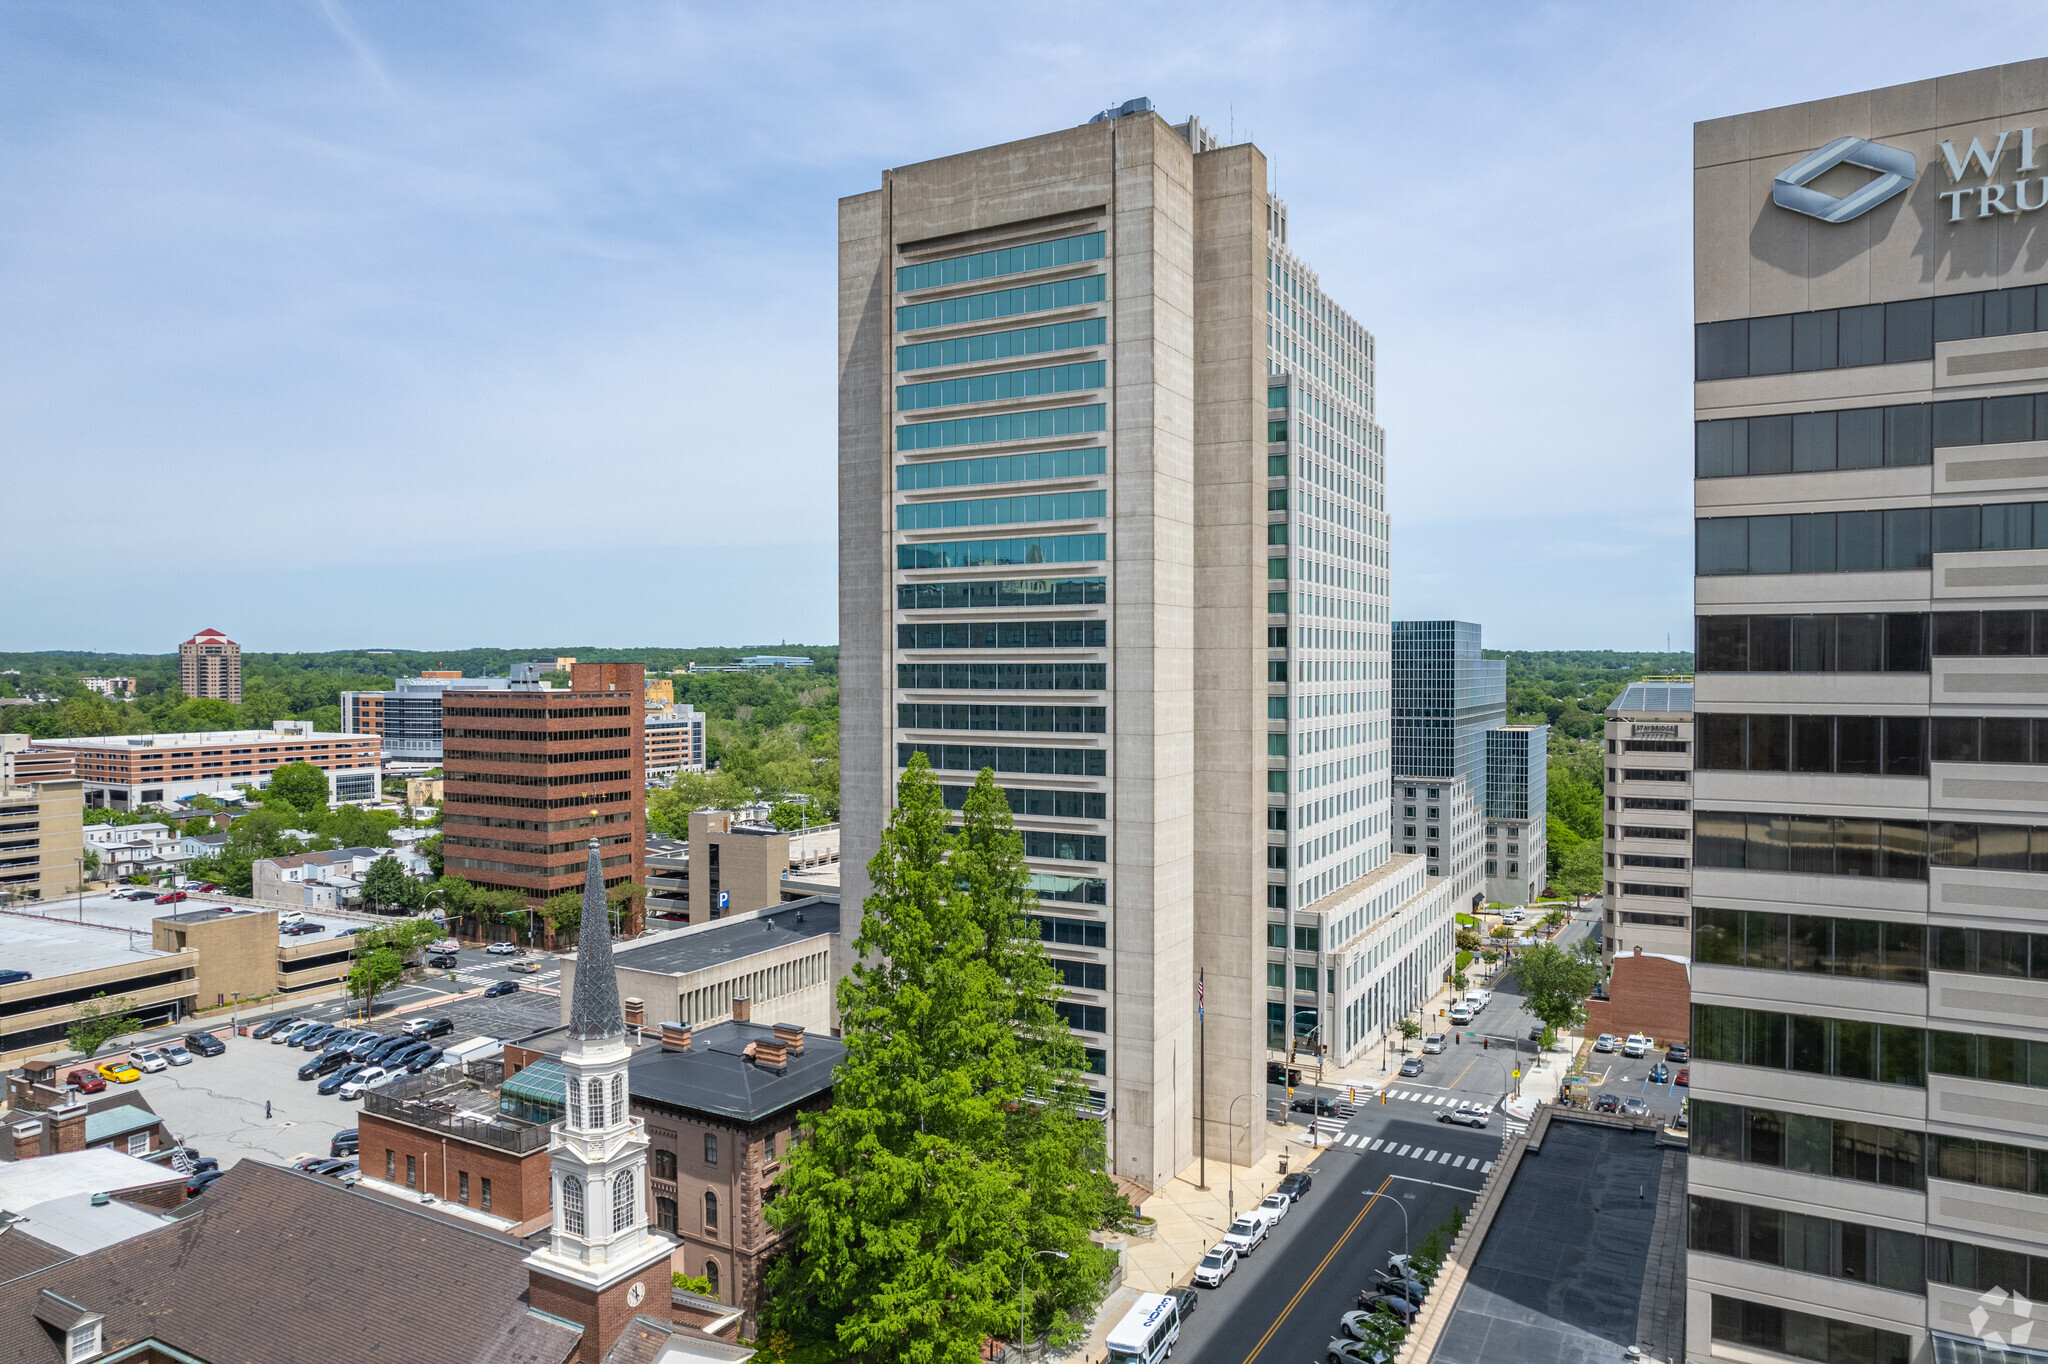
{"x": 1476, "y": 1000}
{"x": 290, "y": 917}
{"x": 1147, "y": 1332}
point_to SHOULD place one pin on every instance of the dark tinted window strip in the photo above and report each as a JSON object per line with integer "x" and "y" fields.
{"x": 1781, "y": 1330}
{"x": 1004, "y": 592}
{"x": 1051, "y": 762}
{"x": 1807, "y": 1244}
{"x": 1889, "y": 849}
{"x": 1046, "y": 719}
{"x": 1866, "y": 745}
{"x": 1002, "y": 676}
{"x": 1899, "y": 642}
{"x": 1873, "y": 334}
{"x": 1039, "y": 804}
{"x": 1004, "y": 634}
{"x": 1862, "y": 437}
{"x": 1859, "y": 1049}
{"x": 1868, "y": 949}
{"x": 1863, "y": 541}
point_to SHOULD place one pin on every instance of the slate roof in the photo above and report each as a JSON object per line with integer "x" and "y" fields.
{"x": 714, "y": 1077}
{"x": 21, "y": 1253}
{"x": 277, "y": 1266}
{"x": 595, "y": 1012}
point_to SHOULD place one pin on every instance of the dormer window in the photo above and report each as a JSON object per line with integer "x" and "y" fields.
{"x": 82, "y": 1342}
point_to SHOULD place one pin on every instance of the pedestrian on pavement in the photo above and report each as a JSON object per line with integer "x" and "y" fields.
{"x": 266, "y": 1110}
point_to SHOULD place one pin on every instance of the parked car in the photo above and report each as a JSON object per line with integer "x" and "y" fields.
{"x": 120, "y": 1072}
{"x": 340, "y": 1076}
{"x": 85, "y": 1081}
{"x": 1660, "y": 1074}
{"x": 524, "y": 968}
{"x": 15, "y": 977}
{"x": 274, "y": 1029}
{"x": 147, "y": 1060}
{"x": 1433, "y": 1044}
{"x": 343, "y": 1143}
{"x": 503, "y": 949}
{"x": 1400, "y": 1309}
{"x": 309, "y": 1162}
{"x": 1677, "y": 1052}
{"x": 1294, "y": 1185}
{"x": 1400, "y": 1286}
{"x": 325, "y": 1064}
{"x": 205, "y": 886}
{"x": 1606, "y": 1041}
{"x": 415, "y": 1027}
{"x": 1466, "y": 1115}
{"x": 426, "y": 1060}
{"x": 1273, "y": 1207}
{"x": 200, "y": 1183}
{"x": 503, "y": 987}
{"x": 1184, "y": 1300}
{"x": 1461, "y": 1013}
{"x": 292, "y": 916}
{"x": 176, "y": 1054}
{"x": 1412, "y": 1066}
{"x": 1684, "y": 1077}
{"x": 1607, "y": 1103}
{"x": 339, "y": 1169}
{"x": 202, "y": 1165}
{"x": 442, "y": 962}
{"x": 1341, "y": 1350}
{"x": 1245, "y": 1233}
{"x": 1216, "y": 1266}
{"x": 303, "y": 930}
{"x": 1536, "y": 1032}
{"x": 403, "y": 1057}
{"x": 1637, "y": 1045}
{"x": 1357, "y": 1325}
{"x": 205, "y": 1043}
{"x": 367, "y": 1043}
{"x": 1277, "y": 1074}
{"x": 1635, "y": 1108}
{"x": 362, "y": 1081}
{"x": 440, "y": 1027}
{"x": 170, "y": 897}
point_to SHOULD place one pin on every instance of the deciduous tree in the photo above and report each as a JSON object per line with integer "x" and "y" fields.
{"x": 100, "y": 1020}
{"x": 1554, "y": 984}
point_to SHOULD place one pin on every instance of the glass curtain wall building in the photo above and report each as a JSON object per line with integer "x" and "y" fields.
{"x": 1869, "y": 1109}
{"x": 1109, "y": 472}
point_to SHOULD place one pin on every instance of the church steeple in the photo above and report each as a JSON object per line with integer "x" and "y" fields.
{"x": 594, "y": 1011}
{"x": 599, "y": 1245}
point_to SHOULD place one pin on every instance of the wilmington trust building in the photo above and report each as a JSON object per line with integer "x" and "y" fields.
{"x": 1869, "y": 1116}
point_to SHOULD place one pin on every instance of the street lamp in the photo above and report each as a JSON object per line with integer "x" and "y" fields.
{"x": 1230, "y": 1165}
{"x": 1023, "y": 1288}
{"x": 1370, "y": 1195}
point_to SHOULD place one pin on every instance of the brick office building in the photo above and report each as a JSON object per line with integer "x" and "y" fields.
{"x": 532, "y": 773}
{"x": 210, "y": 664}
{"x": 472, "y": 1138}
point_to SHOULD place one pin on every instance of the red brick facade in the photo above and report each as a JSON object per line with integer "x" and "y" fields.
{"x": 531, "y": 776}
{"x": 603, "y": 1316}
{"x": 1650, "y": 995}
{"x": 518, "y": 1184}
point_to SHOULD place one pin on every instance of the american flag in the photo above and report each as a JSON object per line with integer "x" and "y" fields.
{"x": 1201, "y": 1009}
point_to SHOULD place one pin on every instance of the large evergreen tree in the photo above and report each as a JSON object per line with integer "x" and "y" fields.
{"x": 952, "y": 1170}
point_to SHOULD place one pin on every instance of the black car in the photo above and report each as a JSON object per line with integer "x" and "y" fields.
{"x": 503, "y": 987}
{"x": 1277, "y": 1074}
{"x": 200, "y": 1183}
{"x": 323, "y": 1065}
{"x": 1294, "y": 1185}
{"x": 382, "y": 1053}
{"x": 271, "y": 1025}
{"x": 1184, "y": 1300}
{"x": 440, "y": 1027}
{"x": 1607, "y": 1103}
{"x": 444, "y": 962}
{"x": 317, "y": 1038}
{"x": 341, "y": 1075}
{"x": 404, "y": 1056}
{"x": 426, "y": 1060}
{"x": 204, "y": 1044}
{"x": 1394, "y": 1286}
{"x": 203, "y": 1164}
{"x": 343, "y": 1144}
{"x": 1322, "y": 1108}
{"x": 1678, "y": 1053}
{"x": 366, "y": 1045}
{"x": 1400, "y": 1309}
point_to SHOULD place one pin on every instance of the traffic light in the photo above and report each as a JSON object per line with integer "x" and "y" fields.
{"x": 1351, "y": 1094}
{"x": 1486, "y": 1044}
{"x": 1383, "y": 1098}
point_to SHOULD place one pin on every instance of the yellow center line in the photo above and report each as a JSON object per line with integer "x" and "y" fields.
{"x": 1316, "y": 1273}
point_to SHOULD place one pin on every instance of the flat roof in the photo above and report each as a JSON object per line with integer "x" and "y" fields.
{"x": 694, "y": 948}
{"x": 47, "y": 948}
{"x": 1561, "y": 1273}
{"x": 73, "y": 1224}
{"x": 197, "y": 738}
{"x": 715, "y": 1077}
{"x": 24, "y": 1183}
{"x": 1657, "y": 698}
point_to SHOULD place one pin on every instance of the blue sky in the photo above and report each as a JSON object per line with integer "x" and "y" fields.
{"x": 340, "y": 324}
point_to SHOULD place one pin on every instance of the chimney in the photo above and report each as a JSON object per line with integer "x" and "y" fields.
{"x": 67, "y": 1126}
{"x": 636, "y": 1012}
{"x": 770, "y": 1055}
{"x": 742, "y": 1008}
{"x": 791, "y": 1037}
{"x": 675, "y": 1037}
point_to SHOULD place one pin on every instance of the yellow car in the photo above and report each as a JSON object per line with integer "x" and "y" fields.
{"x": 120, "y": 1072}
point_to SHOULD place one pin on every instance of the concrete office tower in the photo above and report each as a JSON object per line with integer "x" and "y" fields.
{"x": 1446, "y": 696}
{"x": 1111, "y": 497}
{"x": 1870, "y": 1135}
{"x": 210, "y": 665}
{"x": 1517, "y": 807}
{"x": 1647, "y": 850}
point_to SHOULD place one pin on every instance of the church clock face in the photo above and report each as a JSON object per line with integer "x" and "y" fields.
{"x": 635, "y": 1294}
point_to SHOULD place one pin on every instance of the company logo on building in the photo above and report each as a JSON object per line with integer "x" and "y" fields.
{"x": 1895, "y": 171}
{"x": 2007, "y": 1304}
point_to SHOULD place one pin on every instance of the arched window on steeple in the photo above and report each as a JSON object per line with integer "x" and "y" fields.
{"x": 572, "y": 1205}
{"x": 618, "y": 1099}
{"x": 624, "y": 1188}
{"x": 575, "y": 1105}
{"x": 596, "y": 1101}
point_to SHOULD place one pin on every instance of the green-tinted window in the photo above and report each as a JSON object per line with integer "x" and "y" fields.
{"x": 958, "y": 473}
{"x": 1276, "y": 431}
{"x": 1276, "y": 973}
{"x": 1026, "y": 549}
{"x": 1276, "y": 603}
{"x": 1276, "y": 745}
{"x": 1276, "y": 782}
{"x": 1032, "y": 298}
{"x": 1276, "y": 499}
{"x": 961, "y": 350}
{"x": 1012, "y": 383}
{"x": 1276, "y": 397}
{"x": 1276, "y": 466}
{"x": 1276, "y": 571}
{"x": 1276, "y": 935}
{"x": 1001, "y": 511}
{"x": 1052, "y": 421}
{"x": 1010, "y": 260}
{"x": 1276, "y": 708}
{"x": 1276, "y": 533}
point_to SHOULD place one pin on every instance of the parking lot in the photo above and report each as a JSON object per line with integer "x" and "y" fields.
{"x": 1629, "y": 1078}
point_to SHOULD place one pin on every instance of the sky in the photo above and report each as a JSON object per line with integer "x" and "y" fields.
{"x": 337, "y": 324}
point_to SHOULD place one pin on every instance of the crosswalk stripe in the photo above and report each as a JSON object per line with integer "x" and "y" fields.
{"x": 1458, "y": 1164}
{"x": 1487, "y": 1168}
{"x": 1351, "y": 1140}
{"x": 1402, "y": 1152}
{"x": 1377, "y": 1142}
{"x": 1417, "y": 1154}
{"x": 1446, "y": 1156}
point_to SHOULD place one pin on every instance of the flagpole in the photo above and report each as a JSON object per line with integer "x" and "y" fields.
{"x": 1202, "y": 1061}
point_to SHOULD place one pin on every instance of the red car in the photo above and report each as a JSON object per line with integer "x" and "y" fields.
{"x": 206, "y": 885}
{"x": 85, "y": 1081}
{"x": 170, "y": 897}
{"x": 1684, "y": 1077}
